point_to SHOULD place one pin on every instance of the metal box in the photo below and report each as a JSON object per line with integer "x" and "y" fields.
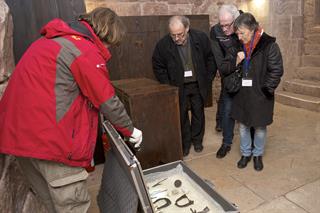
{"x": 154, "y": 109}
{"x": 140, "y": 183}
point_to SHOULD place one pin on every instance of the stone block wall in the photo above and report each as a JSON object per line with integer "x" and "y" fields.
{"x": 283, "y": 19}
{"x": 312, "y": 27}
{"x": 6, "y": 46}
{"x": 162, "y": 7}
{"x": 286, "y": 20}
{"x": 15, "y": 193}
{"x": 311, "y": 23}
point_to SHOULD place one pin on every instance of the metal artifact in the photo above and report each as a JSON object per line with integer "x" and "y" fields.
{"x": 168, "y": 202}
{"x": 159, "y": 182}
{"x": 190, "y": 202}
{"x": 205, "y": 210}
{"x": 177, "y": 183}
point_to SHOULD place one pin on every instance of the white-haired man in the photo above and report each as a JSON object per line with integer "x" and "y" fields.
{"x": 225, "y": 46}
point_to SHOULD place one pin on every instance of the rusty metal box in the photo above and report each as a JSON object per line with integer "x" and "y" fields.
{"x": 126, "y": 188}
{"x": 154, "y": 109}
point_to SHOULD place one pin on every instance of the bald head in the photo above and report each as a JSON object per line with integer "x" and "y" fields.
{"x": 179, "y": 28}
{"x": 179, "y": 20}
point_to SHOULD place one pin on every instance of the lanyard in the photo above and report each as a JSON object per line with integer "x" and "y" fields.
{"x": 248, "y": 55}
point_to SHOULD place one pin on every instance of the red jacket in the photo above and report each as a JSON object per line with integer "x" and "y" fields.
{"x": 50, "y": 107}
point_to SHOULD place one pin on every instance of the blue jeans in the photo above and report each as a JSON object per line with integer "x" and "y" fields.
{"x": 227, "y": 121}
{"x": 219, "y": 113}
{"x": 259, "y": 140}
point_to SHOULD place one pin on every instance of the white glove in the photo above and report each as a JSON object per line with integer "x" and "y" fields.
{"x": 136, "y": 137}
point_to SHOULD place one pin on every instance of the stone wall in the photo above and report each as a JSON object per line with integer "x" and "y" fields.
{"x": 6, "y": 50}
{"x": 311, "y": 22}
{"x": 312, "y": 27}
{"x": 284, "y": 20}
{"x": 162, "y": 7}
{"x": 280, "y": 18}
{"x": 15, "y": 195}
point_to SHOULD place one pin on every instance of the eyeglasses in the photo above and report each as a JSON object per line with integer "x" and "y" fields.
{"x": 179, "y": 35}
{"x": 227, "y": 25}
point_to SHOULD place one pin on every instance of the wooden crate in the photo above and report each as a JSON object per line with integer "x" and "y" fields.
{"x": 154, "y": 109}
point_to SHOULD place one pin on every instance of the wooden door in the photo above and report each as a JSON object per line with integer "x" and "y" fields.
{"x": 132, "y": 59}
{"x": 30, "y": 15}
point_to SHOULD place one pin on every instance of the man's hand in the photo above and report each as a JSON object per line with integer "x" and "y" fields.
{"x": 136, "y": 138}
{"x": 240, "y": 57}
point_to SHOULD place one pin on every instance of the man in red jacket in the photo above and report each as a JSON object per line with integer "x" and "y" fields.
{"x": 49, "y": 111}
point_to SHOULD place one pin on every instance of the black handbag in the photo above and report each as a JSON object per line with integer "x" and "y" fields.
{"x": 232, "y": 82}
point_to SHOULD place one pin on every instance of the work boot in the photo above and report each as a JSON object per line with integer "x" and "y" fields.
{"x": 223, "y": 150}
{"x": 257, "y": 163}
{"x": 198, "y": 148}
{"x": 186, "y": 152}
{"x": 242, "y": 163}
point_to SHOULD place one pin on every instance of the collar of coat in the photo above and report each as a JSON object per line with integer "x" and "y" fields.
{"x": 103, "y": 49}
{"x": 264, "y": 40}
{"x": 57, "y": 27}
{"x": 257, "y": 35}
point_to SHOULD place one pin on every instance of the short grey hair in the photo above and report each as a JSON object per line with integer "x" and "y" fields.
{"x": 246, "y": 20}
{"x": 179, "y": 19}
{"x": 230, "y": 9}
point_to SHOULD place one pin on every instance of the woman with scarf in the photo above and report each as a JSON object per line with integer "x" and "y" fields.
{"x": 262, "y": 68}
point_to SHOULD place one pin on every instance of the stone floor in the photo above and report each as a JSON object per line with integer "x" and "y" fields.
{"x": 290, "y": 181}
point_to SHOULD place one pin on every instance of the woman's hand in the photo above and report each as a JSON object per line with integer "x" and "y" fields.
{"x": 240, "y": 57}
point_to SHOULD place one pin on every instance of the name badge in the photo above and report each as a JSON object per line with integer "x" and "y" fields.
{"x": 246, "y": 82}
{"x": 188, "y": 73}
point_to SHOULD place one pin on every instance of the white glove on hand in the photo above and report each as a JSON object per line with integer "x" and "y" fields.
{"x": 136, "y": 137}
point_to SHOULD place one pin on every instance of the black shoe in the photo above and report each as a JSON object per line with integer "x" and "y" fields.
{"x": 242, "y": 163}
{"x": 223, "y": 150}
{"x": 257, "y": 163}
{"x": 218, "y": 128}
{"x": 198, "y": 148}
{"x": 186, "y": 152}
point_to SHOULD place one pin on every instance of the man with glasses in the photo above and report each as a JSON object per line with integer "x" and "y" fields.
{"x": 184, "y": 59}
{"x": 225, "y": 46}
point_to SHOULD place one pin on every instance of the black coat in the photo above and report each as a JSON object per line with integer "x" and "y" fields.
{"x": 168, "y": 68}
{"x": 225, "y": 49}
{"x": 253, "y": 106}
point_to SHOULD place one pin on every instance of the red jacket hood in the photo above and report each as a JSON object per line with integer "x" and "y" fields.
{"x": 58, "y": 27}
